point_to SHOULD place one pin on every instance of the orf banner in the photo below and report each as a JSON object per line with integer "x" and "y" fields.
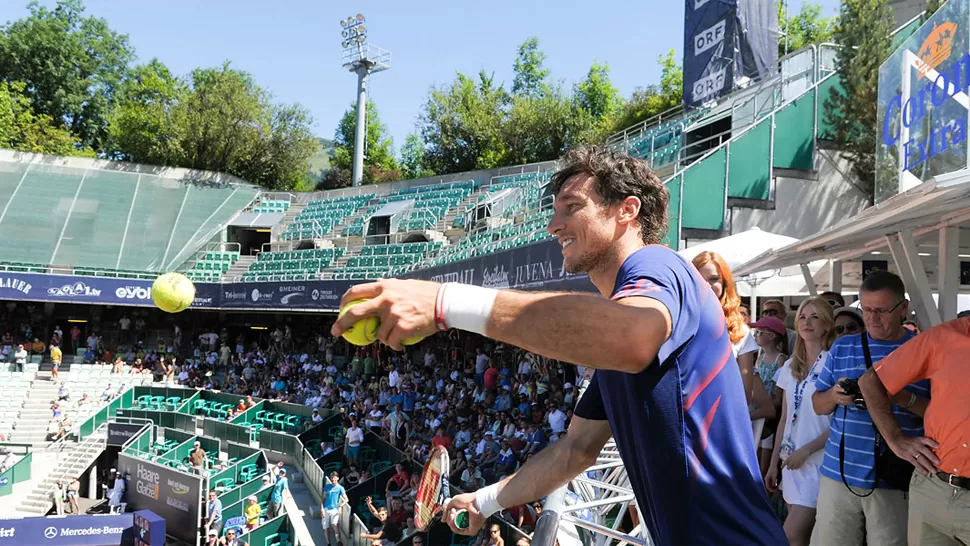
{"x": 119, "y": 433}
{"x": 726, "y": 41}
{"x": 538, "y": 266}
{"x": 173, "y": 495}
{"x": 108, "y": 530}
{"x": 709, "y": 56}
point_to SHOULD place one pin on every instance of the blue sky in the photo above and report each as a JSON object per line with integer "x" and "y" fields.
{"x": 294, "y": 51}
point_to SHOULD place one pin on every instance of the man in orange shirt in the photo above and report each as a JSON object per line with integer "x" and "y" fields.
{"x": 939, "y": 500}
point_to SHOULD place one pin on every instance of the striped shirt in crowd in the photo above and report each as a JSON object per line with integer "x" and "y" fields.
{"x": 846, "y": 359}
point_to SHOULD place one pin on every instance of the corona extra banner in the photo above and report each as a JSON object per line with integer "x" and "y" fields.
{"x": 923, "y": 103}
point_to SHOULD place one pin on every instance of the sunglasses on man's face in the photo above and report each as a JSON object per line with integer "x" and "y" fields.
{"x": 769, "y": 313}
{"x": 850, "y": 328}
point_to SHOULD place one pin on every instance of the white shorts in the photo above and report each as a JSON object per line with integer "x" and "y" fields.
{"x": 768, "y": 443}
{"x": 330, "y": 517}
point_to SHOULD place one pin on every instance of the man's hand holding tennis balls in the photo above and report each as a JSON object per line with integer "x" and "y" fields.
{"x": 406, "y": 309}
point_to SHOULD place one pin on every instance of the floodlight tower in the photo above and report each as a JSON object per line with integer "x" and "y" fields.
{"x": 364, "y": 59}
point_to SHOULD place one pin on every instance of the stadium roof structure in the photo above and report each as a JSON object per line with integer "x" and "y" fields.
{"x": 921, "y": 229}
{"x": 73, "y": 212}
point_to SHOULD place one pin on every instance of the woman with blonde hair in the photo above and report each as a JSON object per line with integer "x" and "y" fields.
{"x": 802, "y": 433}
{"x": 716, "y": 272}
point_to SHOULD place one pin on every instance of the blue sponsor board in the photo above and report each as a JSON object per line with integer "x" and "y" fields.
{"x": 111, "y": 530}
{"x": 538, "y": 266}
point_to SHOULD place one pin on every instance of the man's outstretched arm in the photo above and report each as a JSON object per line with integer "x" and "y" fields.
{"x": 542, "y": 474}
{"x": 583, "y": 329}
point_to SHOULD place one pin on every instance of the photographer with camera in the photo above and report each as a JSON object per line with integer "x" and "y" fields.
{"x": 862, "y": 489}
{"x": 939, "y": 506}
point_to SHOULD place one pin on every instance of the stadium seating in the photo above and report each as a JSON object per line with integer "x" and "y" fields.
{"x": 378, "y": 261}
{"x": 319, "y": 217}
{"x": 212, "y": 266}
{"x": 269, "y": 206}
{"x": 292, "y": 265}
{"x": 21, "y": 267}
{"x": 530, "y": 230}
{"x": 16, "y": 385}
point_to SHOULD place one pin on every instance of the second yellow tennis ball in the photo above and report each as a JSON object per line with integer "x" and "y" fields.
{"x": 364, "y": 331}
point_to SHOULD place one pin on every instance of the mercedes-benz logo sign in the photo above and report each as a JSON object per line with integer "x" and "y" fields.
{"x": 50, "y": 532}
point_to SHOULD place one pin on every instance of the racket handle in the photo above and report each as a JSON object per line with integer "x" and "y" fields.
{"x": 462, "y": 519}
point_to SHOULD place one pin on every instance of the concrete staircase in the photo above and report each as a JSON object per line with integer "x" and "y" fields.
{"x": 31, "y": 427}
{"x": 290, "y": 215}
{"x": 70, "y": 459}
{"x": 241, "y": 266}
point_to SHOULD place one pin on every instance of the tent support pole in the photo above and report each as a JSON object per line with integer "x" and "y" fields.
{"x": 809, "y": 281}
{"x": 948, "y": 278}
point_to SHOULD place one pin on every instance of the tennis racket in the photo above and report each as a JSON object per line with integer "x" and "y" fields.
{"x": 434, "y": 491}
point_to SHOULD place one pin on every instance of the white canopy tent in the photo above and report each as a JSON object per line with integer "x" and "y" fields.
{"x": 924, "y": 233}
{"x": 741, "y": 248}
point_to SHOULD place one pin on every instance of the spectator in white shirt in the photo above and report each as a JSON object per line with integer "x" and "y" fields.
{"x": 556, "y": 419}
{"x": 393, "y": 377}
{"x": 20, "y": 358}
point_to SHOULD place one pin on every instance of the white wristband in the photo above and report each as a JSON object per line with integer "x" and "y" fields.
{"x": 486, "y": 500}
{"x": 466, "y": 307}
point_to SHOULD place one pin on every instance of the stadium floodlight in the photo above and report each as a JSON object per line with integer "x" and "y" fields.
{"x": 362, "y": 59}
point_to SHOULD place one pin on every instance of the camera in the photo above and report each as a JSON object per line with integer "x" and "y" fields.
{"x": 851, "y": 387}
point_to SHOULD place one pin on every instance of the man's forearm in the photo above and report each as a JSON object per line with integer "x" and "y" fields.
{"x": 578, "y": 328}
{"x": 542, "y": 474}
{"x": 822, "y": 402}
{"x": 879, "y": 405}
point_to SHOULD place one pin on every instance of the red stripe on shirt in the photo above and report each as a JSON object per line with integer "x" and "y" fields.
{"x": 691, "y": 398}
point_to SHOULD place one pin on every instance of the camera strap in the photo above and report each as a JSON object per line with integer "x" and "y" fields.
{"x": 845, "y": 410}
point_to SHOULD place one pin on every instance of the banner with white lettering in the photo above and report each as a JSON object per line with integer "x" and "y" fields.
{"x": 725, "y": 42}
{"x": 538, "y": 266}
{"x": 173, "y": 495}
{"x": 85, "y": 530}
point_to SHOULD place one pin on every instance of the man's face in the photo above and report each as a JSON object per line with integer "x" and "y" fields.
{"x": 583, "y": 223}
{"x": 883, "y": 313}
{"x": 774, "y": 309}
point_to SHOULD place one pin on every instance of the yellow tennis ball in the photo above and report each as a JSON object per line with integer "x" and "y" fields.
{"x": 364, "y": 331}
{"x": 412, "y": 341}
{"x": 173, "y": 292}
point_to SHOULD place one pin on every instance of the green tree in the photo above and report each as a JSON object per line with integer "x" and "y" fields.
{"x": 930, "y": 9}
{"x": 23, "y": 130}
{"x": 804, "y": 28}
{"x": 863, "y": 32}
{"x": 596, "y": 93}
{"x": 71, "y": 64}
{"x": 541, "y": 128}
{"x": 218, "y": 121}
{"x": 141, "y": 124}
{"x": 461, "y": 125}
{"x": 530, "y": 76}
{"x": 652, "y": 100}
{"x": 378, "y": 145}
{"x": 412, "y": 158}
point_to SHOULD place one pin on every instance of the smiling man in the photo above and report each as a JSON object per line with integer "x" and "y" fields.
{"x": 666, "y": 387}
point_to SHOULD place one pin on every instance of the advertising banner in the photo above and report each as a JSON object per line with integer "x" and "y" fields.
{"x": 709, "y": 33}
{"x": 538, "y": 266}
{"x": 173, "y": 495}
{"x": 725, "y": 41}
{"x": 322, "y": 295}
{"x": 923, "y": 103}
{"x": 107, "y": 530}
{"x": 119, "y": 433}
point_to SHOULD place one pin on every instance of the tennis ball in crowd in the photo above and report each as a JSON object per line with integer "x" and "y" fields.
{"x": 173, "y": 292}
{"x": 364, "y": 332}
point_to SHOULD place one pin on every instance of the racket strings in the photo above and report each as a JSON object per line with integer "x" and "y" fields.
{"x": 427, "y": 500}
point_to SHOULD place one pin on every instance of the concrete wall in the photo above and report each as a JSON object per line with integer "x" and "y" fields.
{"x": 904, "y": 10}
{"x": 805, "y": 203}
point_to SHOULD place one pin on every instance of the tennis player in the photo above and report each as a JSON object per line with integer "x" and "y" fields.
{"x": 667, "y": 386}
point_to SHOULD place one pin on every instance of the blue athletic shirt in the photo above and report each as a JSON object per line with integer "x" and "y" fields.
{"x": 682, "y": 424}
{"x": 331, "y": 496}
{"x": 846, "y": 359}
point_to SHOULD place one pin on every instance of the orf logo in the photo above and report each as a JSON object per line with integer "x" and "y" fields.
{"x": 50, "y": 532}
{"x": 936, "y": 48}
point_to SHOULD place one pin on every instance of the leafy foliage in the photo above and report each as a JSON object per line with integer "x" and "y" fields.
{"x": 652, "y": 100}
{"x": 804, "y": 28}
{"x": 23, "y": 130}
{"x": 863, "y": 32}
{"x": 530, "y": 76}
{"x": 71, "y": 65}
